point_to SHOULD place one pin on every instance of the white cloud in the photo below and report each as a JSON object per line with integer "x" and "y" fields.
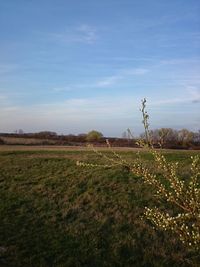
{"x": 82, "y": 34}
{"x": 107, "y": 81}
{"x": 195, "y": 93}
{"x": 3, "y": 97}
{"x": 10, "y": 109}
{"x": 89, "y": 34}
{"x": 3, "y": 100}
{"x": 123, "y": 74}
{"x": 136, "y": 71}
{"x": 190, "y": 95}
{"x": 73, "y": 115}
{"x": 180, "y": 61}
{"x": 166, "y": 101}
{"x": 111, "y": 115}
{"x": 7, "y": 68}
{"x": 88, "y": 107}
{"x": 62, "y": 89}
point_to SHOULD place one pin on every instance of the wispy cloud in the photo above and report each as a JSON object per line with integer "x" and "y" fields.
{"x": 191, "y": 95}
{"x": 112, "y": 113}
{"x": 2, "y": 97}
{"x": 73, "y": 115}
{"x": 107, "y": 81}
{"x": 180, "y": 61}
{"x": 62, "y": 89}
{"x": 81, "y": 34}
{"x": 129, "y": 59}
{"x": 123, "y": 74}
{"x": 3, "y": 100}
{"x": 88, "y": 33}
{"x": 195, "y": 93}
{"x": 136, "y": 71}
{"x": 143, "y": 24}
{"x": 7, "y": 68}
{"x": 104, "y": 82}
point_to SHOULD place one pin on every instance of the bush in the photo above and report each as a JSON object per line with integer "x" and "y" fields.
{"x": 94, "y": 136}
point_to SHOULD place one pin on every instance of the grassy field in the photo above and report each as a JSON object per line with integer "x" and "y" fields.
{"x": 53, "y": 213}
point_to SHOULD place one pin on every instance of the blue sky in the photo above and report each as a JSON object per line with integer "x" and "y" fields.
{"x": 72, "y": 66}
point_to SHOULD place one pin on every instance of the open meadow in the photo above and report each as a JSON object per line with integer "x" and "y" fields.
{"x": 99, "y": 133}
{"x": 54, "y": 213}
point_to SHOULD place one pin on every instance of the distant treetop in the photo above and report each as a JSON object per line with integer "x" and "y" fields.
{"x": 94, "y": 136}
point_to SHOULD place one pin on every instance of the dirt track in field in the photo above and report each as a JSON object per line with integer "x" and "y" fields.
{"x": 58, "y": 148}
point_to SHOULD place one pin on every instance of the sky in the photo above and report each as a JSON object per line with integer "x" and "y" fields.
{"x": 72, "y": 66}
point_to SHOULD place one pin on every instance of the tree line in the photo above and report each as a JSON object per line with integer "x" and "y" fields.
{"x": 162, "y": 137}
{"x": 170, "y": 138}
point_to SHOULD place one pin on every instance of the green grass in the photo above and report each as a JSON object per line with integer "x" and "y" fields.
{"x": 53, "y": 213}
